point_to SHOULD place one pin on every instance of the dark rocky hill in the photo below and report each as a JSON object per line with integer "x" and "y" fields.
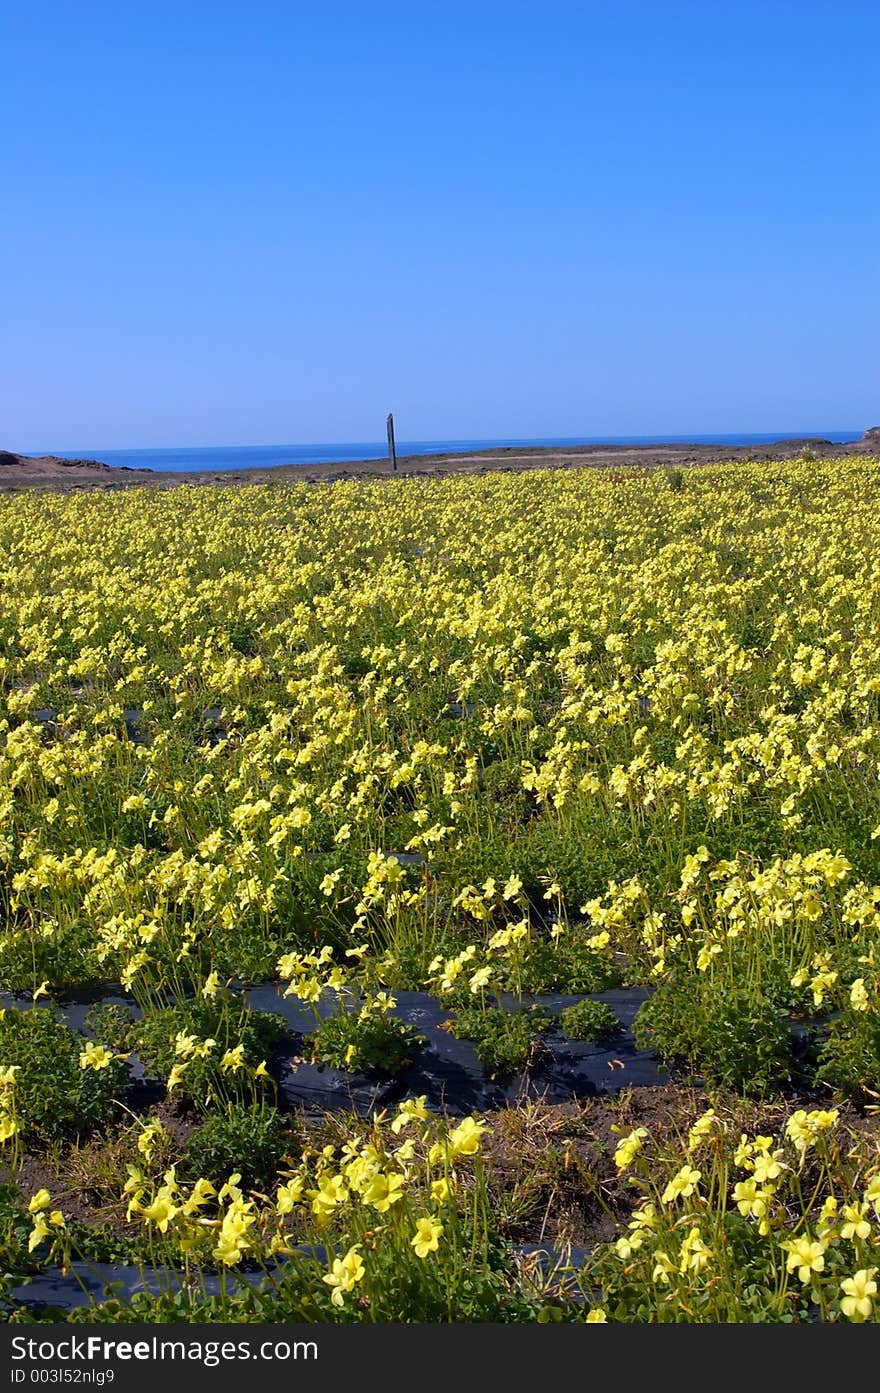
{"x": 52, "y": 471}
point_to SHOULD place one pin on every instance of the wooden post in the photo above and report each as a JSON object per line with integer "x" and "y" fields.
{"x": 392, "y": 453}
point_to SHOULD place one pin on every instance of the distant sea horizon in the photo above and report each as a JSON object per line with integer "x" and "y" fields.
{"x": 195, "y": 459}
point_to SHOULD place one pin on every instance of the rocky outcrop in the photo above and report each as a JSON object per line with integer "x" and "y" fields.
{"x": 17, "y": 471}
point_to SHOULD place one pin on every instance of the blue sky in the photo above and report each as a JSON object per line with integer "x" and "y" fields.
{"x": 260, "y": 222}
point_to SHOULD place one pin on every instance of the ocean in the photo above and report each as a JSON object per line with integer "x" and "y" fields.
{"x": 222, "y": 457}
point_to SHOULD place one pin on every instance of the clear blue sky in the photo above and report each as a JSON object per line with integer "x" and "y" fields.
{"x": 252, "y": 222}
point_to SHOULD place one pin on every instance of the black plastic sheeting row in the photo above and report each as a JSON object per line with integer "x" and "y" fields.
{"x": 445, "y": 1070}
{"x": 85, "y": 1284}
{"x": 448, "y": 1071}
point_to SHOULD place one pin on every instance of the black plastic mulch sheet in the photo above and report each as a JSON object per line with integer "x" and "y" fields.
{"x": 448, "y": 1071}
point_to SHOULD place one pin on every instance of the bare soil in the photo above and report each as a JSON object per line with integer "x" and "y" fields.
{"x": 550, "y": 1168}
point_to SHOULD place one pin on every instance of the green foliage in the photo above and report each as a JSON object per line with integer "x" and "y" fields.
{"x": 362, "y": 1045}
{"x": 505, "y": 1040}
{"x": 401, "y": 1290}
{"x": 675, "y": 480}
{"x": 748, "y": 1294}
{"x": 566, "y": 966}
{"x": 55, "y": 1097}
{"x": 111, "y": 1025}
{"x": 104, "y": 1243}
{"x": 247, "y": 1139}
{"x": 14, "y": 1231}
{"x": 583, "y": 853}
{"x": 27, "y": 959}
{"x": 728, "y": 1036}
{"x": 849, "y": 1060}
{"x": 589, "y": 1020}
{"x": 229, "y": 1025}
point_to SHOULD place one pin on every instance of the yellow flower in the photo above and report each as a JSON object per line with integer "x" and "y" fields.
{"x": 702, "y": 1128}
{"x": 629, "y": 1147}
{"x": 200, "y": 1194}
{"x": 233, "y": 1059}
{"x": 663, "y": 1267}
{"x": 805, "y": 1254}
{"x": 174, "y": 1078}
{"x": 872, "y": 1193}
{"x": 856, "y": 1224}
{"x": 859, "y": 1292}
{"x": 694, "y": 1254}
{"x": 344, "y": 1274}
{"x": 185, "y": 1044}
{"x": 752, "y": 1201}
{"x": 464, "y": 1139}
{"x": 161, "y": 1210}
{"x": 233, "y": 1239}
{"x": 39, "y": 1231}
{"x": 858, "y": 996}
{"x": 152, "y": 1133}
{"x": 767, "y": 1166}
{"x": 803, "y": 1127}
{"x": 480, "y": 979}
{"x": 229, "y": 1190}
{"x": 410, "y": 1110}
{"x": 628, "y": 1244}
{"x": 645, "y": 1217}
{"x": 597, "y": 1317}
{"x": 744, "y": 1152}
{"x": 427, "y": 1238}
{"x": 41, "y": 1200}
{"x": 684, "y": 1184}
{"x": 134, "y": 1185}
{"x": 381, "y": 1191}
{"x": 289, "y": 1194}
{"x": 95, "y": 1057}
{"x": 820, "y": 984}
{"x": 706, "y": 954}
{"x": 827, "y": 1216}
{"x": 331, "y": 1192}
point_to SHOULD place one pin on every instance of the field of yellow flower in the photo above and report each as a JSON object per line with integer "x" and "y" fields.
{"x": 494, "y": 740}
